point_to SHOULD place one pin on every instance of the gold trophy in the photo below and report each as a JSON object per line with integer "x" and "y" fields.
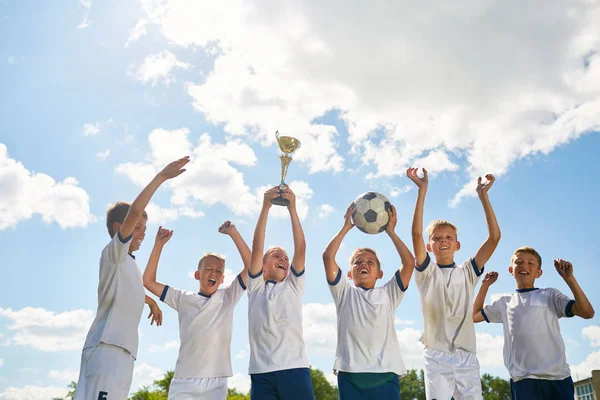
{"x": 288, "y": 145}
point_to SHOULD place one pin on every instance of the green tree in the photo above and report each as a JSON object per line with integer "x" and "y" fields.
{"x": 165, "y": 383}
{"x": 321, "y": 386}
{"x": 495, "y": 388}
{"x": 233, "y": 394}
{"x": 412, "y": 385}
{"x": 70, "y": 394}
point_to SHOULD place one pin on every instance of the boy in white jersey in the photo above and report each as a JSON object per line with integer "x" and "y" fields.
{"x": 368, "y": 358}
{"x": 112, "y": 341}
{"x": 446, "y": 289}
{"x": 278, "y": 363}
{"x": 534, "y": 351}
{"x": 205, "y": 320}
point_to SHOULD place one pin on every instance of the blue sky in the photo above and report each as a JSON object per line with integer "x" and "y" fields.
{"x": 96, "y": 96}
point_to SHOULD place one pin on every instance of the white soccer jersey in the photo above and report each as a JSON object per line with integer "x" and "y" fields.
{"x": 533, "y": 345}
{"x": 121, "y": 298}
{"x": 275, "y": 323}
{"x": 366, "y": 334}
{"x": 447, "y": 303}
{"x": 205, "y": 327}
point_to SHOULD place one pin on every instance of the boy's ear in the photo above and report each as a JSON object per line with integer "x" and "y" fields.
{"x": 197, "y": 275}
{"x": 428, "y": 247}
{"x": 539, "y": 273}
{"x": 223, "y": 279}
{"x": 510, "y": 270}
{"x": 379, "y": 274}
{"x": 116, "y": 227}
{"x": 349, "y": 274}
{"x": 457, "y": 245}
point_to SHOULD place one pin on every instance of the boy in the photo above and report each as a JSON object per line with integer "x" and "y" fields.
{"x": 534, "y": 351}
{"x": 205, "y": 320}
{"x": 446, "y": 289}
{"x": 112, "y": 341}
{"x": 368, "y": 359}
{"x": 278, "y": 362}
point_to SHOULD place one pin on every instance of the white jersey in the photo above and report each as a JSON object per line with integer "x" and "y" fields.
{"x": 121, "y": 298}
{"x": 366, "y": 334}
{"x": 275, "y": 323}
{"x": 447, "y": 303}
{"x": 205, "y": 327}
{"x": 533, "y": 345}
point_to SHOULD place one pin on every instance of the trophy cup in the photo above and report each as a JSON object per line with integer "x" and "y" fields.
{"x": 288, "y": 145}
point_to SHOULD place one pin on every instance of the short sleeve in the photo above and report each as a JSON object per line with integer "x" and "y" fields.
{"x": 296, "y": 280}
{"x": 562, "y": 304}
{"x": 118, "y": 248}
{"x": 235, "y": 290}
{"x": 395, "y": 289}
{"x": 172, "y": 297}
{"x": 338, "y": 287}
{"x": 425, "y": 270}
{"x": 493, "y": 312}
{"x": 254, "y": 282}
{"x": 472, "y": 271}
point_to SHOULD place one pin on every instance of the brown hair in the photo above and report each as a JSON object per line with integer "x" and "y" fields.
{"x": 272, "y": 249}
{"x": 206, "y": 255}
{"x": 528, "y": 250}
{"x": 363, "y": 250}
{"x": 439, "y": 223}
{"x": 117, "y": 213}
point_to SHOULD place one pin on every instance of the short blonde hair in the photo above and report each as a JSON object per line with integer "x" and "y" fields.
{"x": 213, "y": 255}
{"x": 271, "y": 250}
{"x": 528, "y": 250}
{"x": 439, "y": 223}
{"x": 364, "y": 250}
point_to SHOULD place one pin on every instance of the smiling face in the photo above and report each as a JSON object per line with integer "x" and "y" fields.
{"x": 525, "y": 267}
{"x": 443, "y": 244}
{"x": 364, "y": 269}
{"x": 276, "y": 265}
{"x": 210, "y": 273}
{"x": 139, "y": 233}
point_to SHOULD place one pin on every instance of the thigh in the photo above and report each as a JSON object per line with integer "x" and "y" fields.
{"x": 565, "y": 389}
{"x": 347, "y": 390}
{"x": 263, "y": 387}
{"x": 467, "y": 377}
{"x": 527, "y": 389}
{"x": 439, "y": 374}
{"x": 294, "y": 384}
{"x": 390, "y": 389}
{"x": 105, "y": 374}
{"x": 198, "y": 389}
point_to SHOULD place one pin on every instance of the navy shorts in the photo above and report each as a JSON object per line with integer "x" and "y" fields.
{"x": 541, "y": 389}
{"x": 289, "y": 384}
{"x": 368, "y": 386}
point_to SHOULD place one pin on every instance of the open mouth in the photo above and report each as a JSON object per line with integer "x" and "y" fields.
{"x": 280, "y": 266}
{"x": 212, "y": 282}
{"x": 523, "y": 273}
{"x": 363, "y": 271}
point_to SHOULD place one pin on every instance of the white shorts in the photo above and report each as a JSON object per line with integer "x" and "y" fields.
{"x": 105, "y": 374}
{"x": 198, "y": 389}
{"x": 450, "y": 375}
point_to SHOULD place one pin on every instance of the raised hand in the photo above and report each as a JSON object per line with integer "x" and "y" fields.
{"x": 270, "y": 195}
{"x": 155, "y": 314}
{"x": 163, "y": 236}
{"x": 348, "y": 224}
{"x": 391, "y": 225}
{"x": 490, "y": 278}
{"x": 413, "y": 175}
{"x": 227, "y": 228}
{"x": 289, "y": 195}
{"x": 174, "y": 168}
{"x": 564, "y": 268}
{"x": 484, "y": 186}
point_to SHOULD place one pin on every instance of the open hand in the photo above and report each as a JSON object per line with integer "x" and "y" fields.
{"x": 564, "y": 268}
{"x": 490, "y": 278}
{"x": 391, "y": 225}
{"x": 163, "y": 236}
{"x": 174, "y": 168}
{"x": 484, "y": 186}
{"x": 413, "y": 175}
{"x": 155, "y": 314}
{"x": 227, "y": 228}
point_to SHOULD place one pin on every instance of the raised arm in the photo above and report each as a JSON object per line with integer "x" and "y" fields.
{"x": 417, "y": 224}
{"x": 487, "y": 248}
{"x": 299, "y": 258}
{"x": 331, "y": 267}
{"x": 229, "y": 229}
{"x": 258, "y": 241}
{"x": 139, "y": 204}
{"x": 487, "y": 281}
{"x": 406, "y": 257}
{"x": 150, "y": 283}
{"x": 582, "y": 307}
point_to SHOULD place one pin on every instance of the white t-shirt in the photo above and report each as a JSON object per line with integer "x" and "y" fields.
{"x": 121, "y": 298}
{"x": 275, "y": 323}
{"x": 533, "y": 345}
{"x": 366, "y": 334}
{"x": 447, "y": 304}
{"x": 205, "y": 326}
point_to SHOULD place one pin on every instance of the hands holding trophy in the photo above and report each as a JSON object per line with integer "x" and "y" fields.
{"x": 288, "y": 145}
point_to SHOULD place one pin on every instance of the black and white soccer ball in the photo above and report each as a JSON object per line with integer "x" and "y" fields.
{"x": 370, "y": 215}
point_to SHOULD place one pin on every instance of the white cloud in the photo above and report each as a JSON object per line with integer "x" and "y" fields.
{"x": 103, "y": 154}
{"x": 32, "y": 393}
{"x": 173, "y": 344}
{"x": 137, "y": 32}
{"x": 29, "y": 370}
{"x": 242, "y": 354}
{"x": 240, "y": 382}
{"x": 584, "y": 369}
{"x": 490, "y": 350}
{"x": 87, "y": 4}
{"x": 325, "y": 210}
{"x": 45, "y": 330}
{"x": 320, "y": 328}
{"x": 397, "y": 191}
{"x": 25, "y": 193}
{"x": 465, "y": 88}
{"x": 1, "y": 362}
{"x": 331, "y": 378}
{"x": 592, "y": 334}
{"x": 91, "y": 129}
{"x": 158, "y": 68}
{"x": 160, "y": 216}
{"x": 84, "y": 23}
{"x": 144, "y": 374}
{"x": 411, "y": 347}
{"x": 398, "y": 321}
{"x": 66, "y": 375}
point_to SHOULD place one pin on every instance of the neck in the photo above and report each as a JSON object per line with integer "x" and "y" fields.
{"x": 444, "y": 260}
{"x": 525, "y": 285}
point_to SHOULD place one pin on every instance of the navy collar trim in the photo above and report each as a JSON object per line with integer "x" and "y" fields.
{"x": 527, "y": 290}
{"x": 131, "y": 255}
{"x": 205, "y": 295}
{"x": 447, "y": 266}
{"x": 272, "y": 281}
{"x": 364, "y": 288}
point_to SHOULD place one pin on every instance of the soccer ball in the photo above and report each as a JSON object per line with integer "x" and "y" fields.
{"x": 370, "y": 215}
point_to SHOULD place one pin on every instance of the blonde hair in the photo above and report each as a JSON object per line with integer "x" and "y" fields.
{"x": 439, "y": 223}
{"x": 364, "y": 250}
{"x": 271, "y": 250}
{"x": 213, "y": 255}
{"x": 528, "y": 250}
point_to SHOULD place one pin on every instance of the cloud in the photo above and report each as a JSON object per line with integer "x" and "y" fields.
{"x": 33, "y": 393}
{"x": 397, "y": 191}
{"x": 325, "y": 210}
{"x": 25, "y": 193}
{"x": 86, "y": 4}
{"x": 158, "y": 68}
{"x": 584, "y": 369}
{"x": 66, "y": 375}
{"x": 103, "y": 154}
{"x": 592, "y": 334}
{"x": 240, "y": 382}
{"x": 466, "y": 88}
{"x": 45, "y": 330}
{"x": 91, "y": 129}
{"x": 320, "y": 328}
{"x": 242, "y": 354}
{"x": 398, "y": 321}
{"x": 490, "y": 350}
{"x": 173, "y": 344}
{"x": 137, "y": 32}
{"x": 144, "y": 375}
{"x": 1, "y": 362}
{"x": 159, "y": 216}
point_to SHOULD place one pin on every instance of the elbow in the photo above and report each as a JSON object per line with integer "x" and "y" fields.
{"x": 495, "y": 237}
{"x": 589, "y": 314}
{"x": 327, "y": 256}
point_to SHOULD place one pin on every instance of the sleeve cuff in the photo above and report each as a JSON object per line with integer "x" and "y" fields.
{"x": 423, "y": 267}
{"x": 485, "y": 316}
{"x": 255, "y": 276}
{"x": 297, "y": 275}
{"x": 164, "y": 293}
{"x": 241, "y": 281}
{"x": 569, "y": 309}
{"x": 478, "y": 271}
{"x": 127, "y": 239}
{"x": 337, "y": 278}
{"x": 399, "y": 281}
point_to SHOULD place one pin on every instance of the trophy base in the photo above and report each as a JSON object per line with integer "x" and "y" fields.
{"x": 280, "y": 201}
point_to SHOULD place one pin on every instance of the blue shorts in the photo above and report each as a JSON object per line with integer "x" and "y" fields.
{"x": 368, "y": 386}
{"x": 541, "y": 389}
{"x": 289, "y": 384}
